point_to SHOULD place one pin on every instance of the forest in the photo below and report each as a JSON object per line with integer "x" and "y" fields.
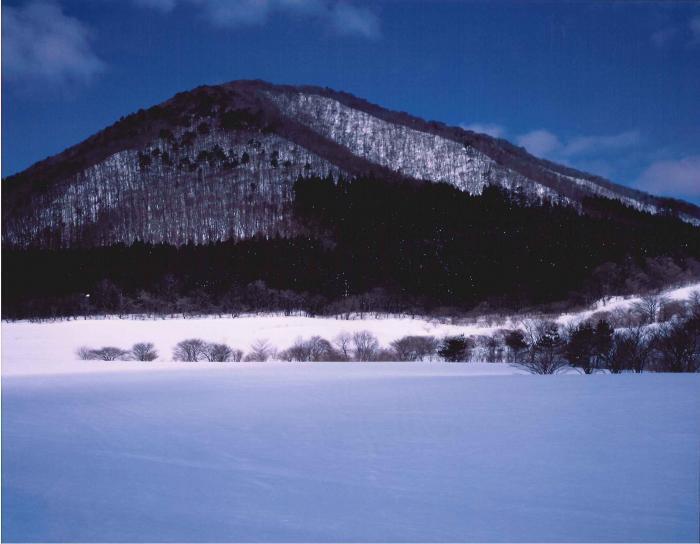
{"x": 370, "y": 244}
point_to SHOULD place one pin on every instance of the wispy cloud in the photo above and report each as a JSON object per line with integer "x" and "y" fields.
{"x": 679, "y": 34}
{"x": 492, "y": 129}
{"x": 695, "y": 30}
{"x": 42, "y": 45}
{"x": 680, "y": 178}
{"x": 545, "y": 143}
{"x": 339, "y": 17}
{"x": 663, "y": 36}
{"x": 540, "y": 142}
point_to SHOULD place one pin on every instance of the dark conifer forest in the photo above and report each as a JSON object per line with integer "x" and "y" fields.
{"x": 369, "y": 244}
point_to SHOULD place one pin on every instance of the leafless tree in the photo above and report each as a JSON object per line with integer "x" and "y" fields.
{"x": 217, "y": 353}
{"x": 110, "y": 353}
{"x": 144, "y": 351}
{"x": 547, "y": 352}
{"x": 648, "y": 308}
{"x": 677, "y": 346}
{"x": 313, "y": 349}
{"x": 260, "y": 351}
{"x": 85, "y": 354}
{"x": 365, "y": 346}
{"x": 343, "y": 343}
{"x": 414, "y": 348}
{"x": 189, "y": 350}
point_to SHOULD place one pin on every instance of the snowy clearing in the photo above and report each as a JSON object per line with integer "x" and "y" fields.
{"x": 49, "y": 348}
{"x": 350, "y": 452}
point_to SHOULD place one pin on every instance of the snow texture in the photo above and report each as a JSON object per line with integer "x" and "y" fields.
{"x": 349, "y": 452}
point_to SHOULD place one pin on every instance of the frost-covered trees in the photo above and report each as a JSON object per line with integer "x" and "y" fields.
{"x": 414, "y": 348}
{"x": 365, "y": 346}
{"x": 516, "y": 344}
{"x": 189, "y": 350}
{"x": 456, "y": 348}
{"x": 144, "y": 351}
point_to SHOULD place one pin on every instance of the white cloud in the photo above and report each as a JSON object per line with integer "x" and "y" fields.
{"x": 673, "y": 177}
{"x": 662, "y": 37}
{"x": 540, "y": 142}
{"x": 583, "y": 145}
{"x": 340, "y": 17}
{"x": 492, "y": 129}
{"x": 161, "y": 5}
{"x": 695, "y": 30}
{"x": 545, "y": 143}
{"x": 347, "y": 19}
{"x": 42, "y": 45}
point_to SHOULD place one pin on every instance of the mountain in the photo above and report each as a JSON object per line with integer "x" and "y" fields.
{"x": 219, "y": 163}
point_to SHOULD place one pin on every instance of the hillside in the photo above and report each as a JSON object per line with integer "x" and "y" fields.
{"x": 218, "y": 163}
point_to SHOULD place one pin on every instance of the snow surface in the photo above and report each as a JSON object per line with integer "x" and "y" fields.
{"x": 49, "y": 348}
{"x": 349, "y": 452}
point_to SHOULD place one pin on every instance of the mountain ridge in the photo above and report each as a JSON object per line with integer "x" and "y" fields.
{"x": 219, "y": 161}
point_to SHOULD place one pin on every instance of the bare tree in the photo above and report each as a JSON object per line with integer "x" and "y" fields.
{"x": 648, "y": 308}
{"x": 189, "y": 350}
{"x": 144, "y": 351}
{"x": 343, "y": 343}
{"x": 85, "y": 354}
{"x": 217, "y": 353}
{"x": 678, "y": 346}
{"x": 313, "y": 349}
{"x": 546, "y": 354}
{"x": 516, "y": 343}
{"x": 414, "y": 348}
{"x": 260, "y": 351}
{"x": 110, "y": 353}
{"x": 365, "y": 346}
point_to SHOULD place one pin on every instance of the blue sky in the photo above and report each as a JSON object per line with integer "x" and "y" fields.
{"x": 611, "y": 88}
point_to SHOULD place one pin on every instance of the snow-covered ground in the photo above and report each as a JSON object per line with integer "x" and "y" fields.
{"x": 45, "y": 348}
{"x": 349, "y": 452}
{"x": 50, "y": 347}
{"x": 164, "y": 451}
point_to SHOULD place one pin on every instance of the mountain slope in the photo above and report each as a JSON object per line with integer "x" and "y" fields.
{"x": 218, "y": 163}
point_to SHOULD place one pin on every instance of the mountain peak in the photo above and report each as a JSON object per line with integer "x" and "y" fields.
{"x": 219, "y": 162}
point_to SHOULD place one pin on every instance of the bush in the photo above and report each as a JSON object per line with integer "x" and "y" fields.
{"x": 85, "y": 353}
{"x": 677, "y": 346}
{"x": 546, "y": 350}
{"x": 314, "y": 349}
{"x": 516, "y": 343}
{"x": 217, "y": 353}
{"x": 629, "y": 350}
{"x": 189, "y": 350}
{"x": 414, "y": 348}
{"x": 144, "y": 351}
{"x": 110, "y": 353}
{"x": 365, "y": 346}
{"x": 261, "y": 351}
{"x": 456, "y": 348}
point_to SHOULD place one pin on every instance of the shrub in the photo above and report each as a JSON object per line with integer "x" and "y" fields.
{"x": 85, "y": 353}
{"x": 677, "y": 346}
{"x": 314, "y": 349}
{"x": 217, "y": 353}
{"x": 110, "y": 353}
{"x": 546, "y": 350}
{"x": 414, "y": 348}
{"x": 365, "y": 346}
{"x": 516, "y": 343}
{"x": 144, "y": 351}
{"x": 189, "y": 350}
{"x": 456, "y": 348}
{"x": 261, "y": 351}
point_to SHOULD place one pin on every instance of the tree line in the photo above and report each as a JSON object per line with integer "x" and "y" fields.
{"x": 372, "y": 245}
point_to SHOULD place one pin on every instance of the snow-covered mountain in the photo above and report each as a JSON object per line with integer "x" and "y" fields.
{"x": 219, "y": 163}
